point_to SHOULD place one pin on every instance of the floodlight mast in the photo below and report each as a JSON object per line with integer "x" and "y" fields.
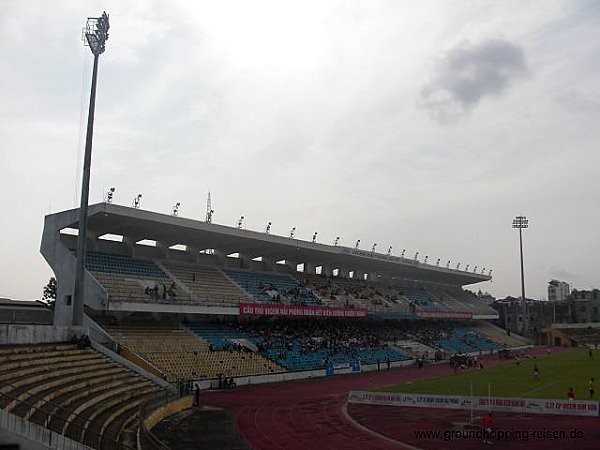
{"x": 96, "y": 35}
{"x": 522, "y": 222}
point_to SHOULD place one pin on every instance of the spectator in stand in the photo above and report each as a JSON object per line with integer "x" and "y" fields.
{"x": 571, "y": 394}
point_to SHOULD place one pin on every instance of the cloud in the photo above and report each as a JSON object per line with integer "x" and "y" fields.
{"x": 560, "y": 273}
{"x": 575, "y": 101}
{"x": 468, "y": 73}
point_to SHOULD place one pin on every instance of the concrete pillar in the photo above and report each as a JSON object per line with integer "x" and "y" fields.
{"x": 245, "y": 261}
{"x": 163, "y": 249}
{"x": 310, "y": 268}
{"x": 129, "y": 244}
{"x": 193, "y": 252}
{"x": 269, "y": 263}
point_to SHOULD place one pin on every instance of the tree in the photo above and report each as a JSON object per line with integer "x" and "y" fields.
{"x": 50, "y": 292}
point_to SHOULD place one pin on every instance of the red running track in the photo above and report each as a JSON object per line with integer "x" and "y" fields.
{"x": 309, "y": 414}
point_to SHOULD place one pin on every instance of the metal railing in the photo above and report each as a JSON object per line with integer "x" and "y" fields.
{"x": 146, "y": 439}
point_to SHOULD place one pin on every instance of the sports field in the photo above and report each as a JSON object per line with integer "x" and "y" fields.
{"x": 557, "y": 373}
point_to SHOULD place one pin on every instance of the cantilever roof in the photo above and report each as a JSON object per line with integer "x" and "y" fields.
{"x": 136, "y": 224}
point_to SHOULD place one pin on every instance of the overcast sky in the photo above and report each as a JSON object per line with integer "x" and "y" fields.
{"x": 424, "y": 125}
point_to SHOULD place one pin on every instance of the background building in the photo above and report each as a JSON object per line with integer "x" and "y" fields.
{"x": 558, "y": 290}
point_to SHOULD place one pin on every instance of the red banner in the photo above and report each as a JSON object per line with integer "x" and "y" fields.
{"x": 257, "y": 309}
{"x": 444, "y": 314}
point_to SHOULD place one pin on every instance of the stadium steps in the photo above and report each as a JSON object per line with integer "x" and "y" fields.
{"x": 82, "y": 397}
{"x": 499, "y": 335}
{"x": 453, "y": 304}
{"x": 67, "y": 395}
{"x": 25, "y": 384}
{"x": 56, "y": 387}
{"x": 99, "y": 419}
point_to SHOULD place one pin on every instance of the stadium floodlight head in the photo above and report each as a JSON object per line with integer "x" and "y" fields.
{"x": 240, "y": 222}
{"x": 136, "y": 201}
{"x": 268, "y": 229}
{"x": 426, "y": 258}
{"x": 403, "y": 252}
{"x": 175, "y": 211}
{"x": 438, "y": 262}
{"x": 389, "y": 252}
{"x": 292, "y": 231}
{"x": 520, "y": 222}
{"x": 110, "y": 194}
{"x": 357, "y": 244}
{"x": 314, "y": 238}
{"x": 96, "y": 33}
{"x": 337, "y": 240}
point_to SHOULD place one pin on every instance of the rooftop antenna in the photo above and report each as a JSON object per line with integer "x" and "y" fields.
{"x": 209, "y": 210}
{"x": 109, "y": 195}
{"x": 292, "y": 231}
{"x": 176, "y": 209}
{"x": 95, "y": 36}
{"x": 136, "y": 201}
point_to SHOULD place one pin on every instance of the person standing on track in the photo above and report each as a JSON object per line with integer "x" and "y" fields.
{"x": 488, "y": 425}
{"x": 536, "y": 372}
{"x": 591, "y": 387}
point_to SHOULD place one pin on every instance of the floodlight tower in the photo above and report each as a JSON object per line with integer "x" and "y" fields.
{"x": 521, "y": 222}
{"x": 96, "y": 35}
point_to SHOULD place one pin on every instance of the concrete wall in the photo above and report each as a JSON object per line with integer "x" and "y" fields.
{"x": 35, "y": 334}
{"x": 15, "y": 430}
{"x": 289, "y": 376}
{"x": 55, "y": 251}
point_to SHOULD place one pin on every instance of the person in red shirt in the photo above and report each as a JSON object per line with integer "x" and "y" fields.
{"x": 571, "y": 394}
{"x": 488, "y": 425}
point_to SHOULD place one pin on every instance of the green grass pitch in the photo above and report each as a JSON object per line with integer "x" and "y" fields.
{"x": 558, "y": 372}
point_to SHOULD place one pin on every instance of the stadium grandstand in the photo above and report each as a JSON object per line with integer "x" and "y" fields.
{"x": 174, "y": 305}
